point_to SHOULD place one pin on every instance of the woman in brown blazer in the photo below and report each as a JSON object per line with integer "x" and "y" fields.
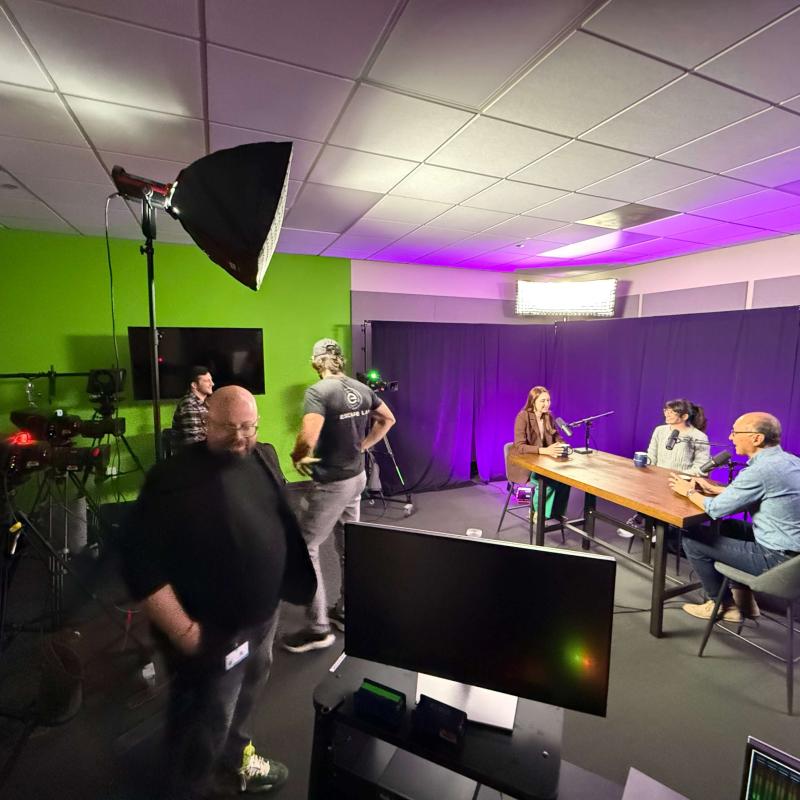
{"x": 535, "y": 432}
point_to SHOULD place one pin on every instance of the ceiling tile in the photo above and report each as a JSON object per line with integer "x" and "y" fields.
{"x": 303, "y": 242}
{"x": 352, "y": 246}
{"x": 17, "y": 65}
{"x": 720, "y": 231}
{"x": 269, "y": 96}
{"x": 513, "y": 197}
{"x": 683, "y": 31}
{"x": 167, "y": 67}
{"x": 156, "y": 169}
{"x": 121, "y": 222}
{"x": 497, "y": 259}
{"x": 222, "y": 137}
{"x": 714, "y": 189}
{"x": 61, "y": 195}
{"x": 332, "y": 37}
{"x": 27, "y": 157}
{"x": 406, "y": 209}
{"x": 34, "y": 114}
{"x": 773, "y": 171}
{"x": 121, "y": 129}
{"x": 766, "y": 64}
{"x": 573, "y": 207}
{"x": 688, "y": 108}
{"x": 576, "y": 165}
{"x": 177, "y": 16}
{"x": 434, "y": 237}
{"x": 494, "y": 147}
{"x": 468, "y": 248}
{"x": 761, "y": 135}
{"x": 526, "y": 227}
{"x": 583, "y": 82}
{"x": 570, "y": 234}
{"x": 393, "y": 124}
{"x": 46, "y": 222}
{"x": 329, "y": 208}
{"x": 787, "y": 220}
{"x": 441, "y": 184}
{"x": 793, "y": 104}
{"x": 645, "y": 179}
{"x": 597, "y": 244}
{"x": 672, "y": 226}
{"x": 381, "y": 229}
{"x": 352, "y": 169}
{"x": 428, "y": 53}
{"x": 743, "y": 207}
{"x": 292, "y": 190}
{"x": 20, "y": 202}
{"x": 626, "y": 216}
{"x": 470, "y": 219}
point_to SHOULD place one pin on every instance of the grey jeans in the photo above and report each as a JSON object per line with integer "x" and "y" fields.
{"x": 325, "y": 510}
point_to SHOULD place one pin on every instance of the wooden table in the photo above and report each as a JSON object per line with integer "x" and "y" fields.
{"x": 641, "y": 489}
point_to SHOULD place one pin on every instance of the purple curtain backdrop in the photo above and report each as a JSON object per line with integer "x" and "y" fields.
{"x": 461, "y": 385}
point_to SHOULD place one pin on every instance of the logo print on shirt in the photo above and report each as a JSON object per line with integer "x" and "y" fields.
{"x": 352, "y": 398}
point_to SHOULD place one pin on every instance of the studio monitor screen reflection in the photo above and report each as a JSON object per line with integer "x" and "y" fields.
{"x": 527, "y": 621}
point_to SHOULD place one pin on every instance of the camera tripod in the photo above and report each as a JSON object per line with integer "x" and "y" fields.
{"x": 373, "y": 479}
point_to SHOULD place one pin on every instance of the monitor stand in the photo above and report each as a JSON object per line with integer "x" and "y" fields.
{"x": 483, "y": 706}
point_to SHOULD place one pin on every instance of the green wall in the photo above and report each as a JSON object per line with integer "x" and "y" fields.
{"x": 56, "y": 311}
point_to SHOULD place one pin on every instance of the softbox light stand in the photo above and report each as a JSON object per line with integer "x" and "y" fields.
{"x": 231, "y": 203}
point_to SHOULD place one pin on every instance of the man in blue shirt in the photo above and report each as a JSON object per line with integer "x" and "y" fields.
{"x": 769, "y": 489}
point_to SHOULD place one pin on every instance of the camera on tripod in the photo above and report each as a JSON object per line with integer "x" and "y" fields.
{"x": 372, "y": 378}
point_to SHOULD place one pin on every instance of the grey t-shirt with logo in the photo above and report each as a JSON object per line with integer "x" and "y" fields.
{"x": 346, "y": 405}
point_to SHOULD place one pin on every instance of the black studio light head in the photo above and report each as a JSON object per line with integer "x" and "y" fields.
{"x": 230, "y": 202}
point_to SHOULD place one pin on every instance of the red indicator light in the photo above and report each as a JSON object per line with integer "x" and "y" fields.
{"x": 23, "y": 437}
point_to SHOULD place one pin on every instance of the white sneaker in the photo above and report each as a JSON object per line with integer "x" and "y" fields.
{"x": 624, "y": 534}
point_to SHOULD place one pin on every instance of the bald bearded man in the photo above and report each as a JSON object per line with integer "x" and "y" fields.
{"x": 211, "y": 548}
{"x": 769, "y": 488}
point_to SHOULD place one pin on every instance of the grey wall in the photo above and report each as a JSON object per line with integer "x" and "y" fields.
{"x": 774, "y": 292}
{"x": 727, "y": 297}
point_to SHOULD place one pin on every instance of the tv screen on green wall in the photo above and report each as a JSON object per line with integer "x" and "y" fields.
{"x": 232, "y": 355}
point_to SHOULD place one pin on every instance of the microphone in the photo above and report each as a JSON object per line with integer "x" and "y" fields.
{"x": 719, "y": 459}
{"x": 672, "y": 440}
{"x": 564, "y": 428}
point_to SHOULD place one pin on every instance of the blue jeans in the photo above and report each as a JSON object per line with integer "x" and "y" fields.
{"x": 733, "y": 545}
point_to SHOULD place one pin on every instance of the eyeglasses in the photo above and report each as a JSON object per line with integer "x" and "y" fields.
{"x": 733, "y": 432}
{"x": 247, "y": 429}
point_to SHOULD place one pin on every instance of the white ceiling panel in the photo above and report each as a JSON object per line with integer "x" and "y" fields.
{"x": 761, "y": 135}
{"x": 17, "y": 65}
{"x": 688, "y": 108}
{"x": 153, "y": 168}
{"x": 222, "y": 137}
{"x": 352, "y": 246}
{"x": 570, "y": 234}
{"x": 21, "y": 203}
{"x": 526, "y": 227}
{"x": 331, "y": 37}
{"x": 434, "y": 237}
{"x": 460, "y": 251}
{"x": 47, "y": 222}
{"x": 575, "y": 206}
{"x": 497, "y": 259}
{"x": 253, "y": 92}
{"x": 787, "y": 220}
{"x": 759, "y": 203}
{"x": 304, "y": 242}
{"x": 576, "y": 165}
{"x": 470, "y": 219}
{"x": 462, "y": 51}
{"x": 644, "y": 180}
{"x": 494, "y": 147}
{"x": 26, "y": 157}
{"x": 292, "y": 191}
{"x": 167, "y": 67}
{"x": 793, "y": 104}
{"x": 34, "y": 114}
{"x": 442, "y": 185}
{"x": 176, "y": 16}
{"x": 381, "y": 229}
{"x": 583, "y": 82}
{"x": 773, "y": 171}
{"x": 122, "y": 129}
{"x": 352, "y": 169}
{"x": 719, "y": 232}
{"x": 685, "y": 32}
{"x": 702, "y": 193}
{"x": 393, "y": 124}
{"x": 406, "y": 209}
{"x": 62, "y": 195}
{"x": 768, "y": 64}
{"x": 513, "y": 197}
{"x": 329, "y": 208}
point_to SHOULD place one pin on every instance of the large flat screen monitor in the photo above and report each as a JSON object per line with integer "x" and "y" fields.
{"x": 233, "y": 355}
{"x": 769, "y": 773}
{"x": 522, "y": 620}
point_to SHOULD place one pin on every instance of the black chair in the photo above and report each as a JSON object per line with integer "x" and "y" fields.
{"x": 169, "y": 442}
{"x": 781, "y": 582}
{"x": 522, "y": 513}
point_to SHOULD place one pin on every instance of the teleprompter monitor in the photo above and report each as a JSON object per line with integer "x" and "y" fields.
{"x": 232, "y": 355}
{"x": 769, "y": 773}
{"x": 522, "y": 620}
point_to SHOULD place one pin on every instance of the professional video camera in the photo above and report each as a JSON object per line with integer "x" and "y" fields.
{"x": 372, "y": 378}
{"x": 59, "y": 428}
{"x": 21, "y": 454}
{"x": 104, "y": 388}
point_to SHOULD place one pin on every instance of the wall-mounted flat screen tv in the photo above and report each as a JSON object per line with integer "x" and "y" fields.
{"x": 233, "y": 356}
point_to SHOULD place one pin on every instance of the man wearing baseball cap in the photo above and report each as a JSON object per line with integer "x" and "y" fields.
{"x": 334, "y": 435}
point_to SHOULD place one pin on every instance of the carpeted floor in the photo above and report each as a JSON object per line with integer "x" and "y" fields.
{"x": 679, "y": 718}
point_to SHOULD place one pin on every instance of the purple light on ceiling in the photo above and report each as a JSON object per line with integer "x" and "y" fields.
{"x": 749, "y": 206}
{"x": 722, "y": 233}
{"x": 793, "y": 187}
{"x": 598, "y": 244}
{"x": 787, "y": 220}
{"x": 672, "y": 225}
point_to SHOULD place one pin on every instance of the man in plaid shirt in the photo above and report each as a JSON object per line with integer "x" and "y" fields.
{"x": 189, "y": 419}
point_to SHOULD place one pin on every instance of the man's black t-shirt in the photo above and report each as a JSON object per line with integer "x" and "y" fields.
{"x": 213, "y": 525}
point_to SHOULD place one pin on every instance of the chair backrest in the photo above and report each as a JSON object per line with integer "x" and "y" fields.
{"x": 169, "y": 442}
{"x": 782, "y": 581}
{"x": 506, "y": 449}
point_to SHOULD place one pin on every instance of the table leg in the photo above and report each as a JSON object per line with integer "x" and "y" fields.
{"x": 321, "y": 756}
{"x": 540, "y": 512}
{"x": 659, "y": 577}
{"x": 589, "y": 504}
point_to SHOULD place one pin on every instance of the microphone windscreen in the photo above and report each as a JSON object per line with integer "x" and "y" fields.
{"x": 563, "y": 427}
{"x": 717, "y": 461}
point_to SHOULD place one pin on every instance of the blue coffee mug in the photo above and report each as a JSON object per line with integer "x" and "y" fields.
{"x": 640, "y": 459}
